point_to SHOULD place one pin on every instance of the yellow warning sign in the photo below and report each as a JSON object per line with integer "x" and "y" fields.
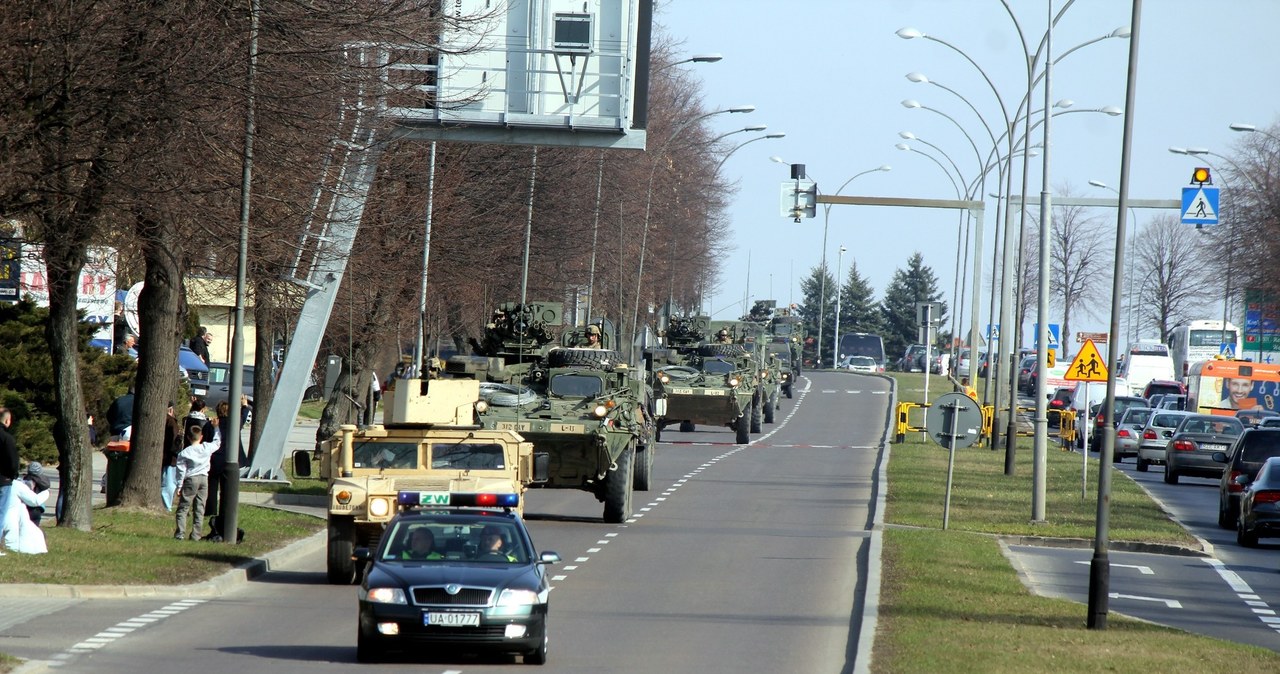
{"x": 1088, "y": 365}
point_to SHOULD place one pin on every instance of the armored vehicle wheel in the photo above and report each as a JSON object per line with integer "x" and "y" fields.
{"x": 787, "y": 389}
{"x": 741, "y": 427}
{"x": 756, "y": 412}
{"x": 770, "y": 407}
{"x": 586, "y": 357}
{"x": 617, "y": 487}
{"x": 721, "y": 350}
{"x": 644, "y": 466}
{"x": 687, "y": 427}
{"x": 342, "y": 542}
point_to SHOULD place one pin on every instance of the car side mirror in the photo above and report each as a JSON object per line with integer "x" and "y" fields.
{"x": 362, "y": 555}
{"x": 1220, "y": 457}
{"x": 548, "y": 557}
{"x": 302, "y": 463}
{"x": 541, "y": 466}
{"x": 1243, "y": 480}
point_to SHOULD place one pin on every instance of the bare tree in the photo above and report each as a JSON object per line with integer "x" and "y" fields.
{"x": 1079, "y": 259}
{"x": 1169, "y": 273}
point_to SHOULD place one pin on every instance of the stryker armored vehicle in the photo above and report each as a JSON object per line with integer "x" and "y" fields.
{"x": 703, "y": 383}
{"x": 429, "y": 441}
{"x": 579, "y": 406}
{"x": 751, "y": 335}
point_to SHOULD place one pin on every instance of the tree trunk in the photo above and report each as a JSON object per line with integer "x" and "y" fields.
{"x": 161, "y": 313}
{"x": 65, "y": 259}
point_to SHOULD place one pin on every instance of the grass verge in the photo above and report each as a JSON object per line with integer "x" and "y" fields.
{"x": 136, "y": 547}
{"x": 951, "y": 602}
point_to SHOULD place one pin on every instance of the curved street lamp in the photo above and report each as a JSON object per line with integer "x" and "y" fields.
{"x": 648, "y": 208}
{"x": 1250, "y": 128}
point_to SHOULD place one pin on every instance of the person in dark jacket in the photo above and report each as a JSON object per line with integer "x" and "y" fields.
{"x": 8, "y": 466}
{"x": 120, "y": 416}
{"x": 200, "y": 344}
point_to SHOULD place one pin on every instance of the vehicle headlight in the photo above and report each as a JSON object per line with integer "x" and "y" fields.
{"x": 343, "y": 497}
{"x": 379, "y": 507}
{"x": 385, "y": 595}
{"x": 734, "y": 381}
{"x": 518, "y": 598}
{"x": 482, "y": 406}
{"x": 600, "y": 411}
{"x": 664, "y": 378}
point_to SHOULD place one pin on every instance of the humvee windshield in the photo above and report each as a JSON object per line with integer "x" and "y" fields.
{"x": 718, "y": 367}
{"x": 468, "y": 456}
{"x": 372, "y": 454}
{"x": 576, "y": 386}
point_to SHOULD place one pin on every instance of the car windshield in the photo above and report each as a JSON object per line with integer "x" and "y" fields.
{"x": 483, "y": 540}
{"x": 375, "y": 454}
{"x": 1211, "y": 425}
{"x": 1136, "y": 416}
{"x": 717, "y": 367}
{"x": 468, "y": 456}
{"x": 576, "y": 386}
{"x": 861, "y": 360}
{"x": 1166, "y": 420}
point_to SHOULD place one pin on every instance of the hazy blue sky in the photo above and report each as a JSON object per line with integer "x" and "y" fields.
{"x": 831, "y": 74}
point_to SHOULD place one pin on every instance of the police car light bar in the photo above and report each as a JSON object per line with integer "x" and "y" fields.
{"x": 457, "y": 499}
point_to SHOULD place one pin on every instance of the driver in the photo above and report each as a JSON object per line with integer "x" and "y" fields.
{"x": 492, "y": 544}
{"x": 421, "y": 545}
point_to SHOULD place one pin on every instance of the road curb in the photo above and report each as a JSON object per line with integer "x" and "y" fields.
{"x": 871, "y": 595}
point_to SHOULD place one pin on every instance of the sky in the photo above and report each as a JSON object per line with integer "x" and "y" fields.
{"x": 831, "y": 74}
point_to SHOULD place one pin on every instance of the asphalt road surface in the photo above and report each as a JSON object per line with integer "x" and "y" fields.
{"x": 742, "y": 558}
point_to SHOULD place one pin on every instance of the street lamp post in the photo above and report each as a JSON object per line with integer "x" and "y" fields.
{"x": 1251, "y": 128}
{"x": 835, "y": 350}
{"x": 648, "y": 209}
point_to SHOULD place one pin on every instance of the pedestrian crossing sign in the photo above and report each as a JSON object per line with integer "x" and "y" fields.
{"x": 1200, "y": 205}
{"x": 1089, "y": 365}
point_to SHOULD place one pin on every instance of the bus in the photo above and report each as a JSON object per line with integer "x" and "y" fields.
{"x": 862, "y": 344}
{"x": 1201, "y": 340}
{"x": 1227, "y": 386}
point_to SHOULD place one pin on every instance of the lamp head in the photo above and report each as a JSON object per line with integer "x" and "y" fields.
{"x": 884, "y": 167}
{"x": 1111, "y": 110}
{"x": 906, "y": 135}
{"x": 755, "y": 127}
{"x": 903, "y": 146}
{"x": 778, "y": 160}
{"x": 742, "y": 108}
{"x": 1122, "y": 31}
{"x": 778, "y": 134}
{"x": 1098, "y": 183}
{"x": 908, "y": 33}
{"x": 1178, "y": 150}
{"x": 1064, "y": 103}
{"x": 911, "y": 103}
{"x": 918, "y": 78}
{"x": 705, "y": 58}
{"x": 1243, "y": 127}
{"x": 1197, "y": 150}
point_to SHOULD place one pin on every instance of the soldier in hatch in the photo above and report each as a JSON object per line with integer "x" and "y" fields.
{"x": 592, "y": 339}
{"x": 723, "y": 337}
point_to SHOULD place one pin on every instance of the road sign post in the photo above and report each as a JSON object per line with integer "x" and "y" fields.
{"x": 953, "y": 420}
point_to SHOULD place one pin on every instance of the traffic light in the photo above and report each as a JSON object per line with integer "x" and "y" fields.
{"x": 1200, "y": 176}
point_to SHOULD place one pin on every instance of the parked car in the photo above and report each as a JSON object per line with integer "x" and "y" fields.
{"x": 1155, "y": 437}
{"x": 864, "y": 364}
{"x": 194, "y": 371}
{"x": 1259, "y": 505}
{"x": 1244, "y": 459}
{"x": 940, "y": 362}
{"x": 1129, "y": 432}
{"x": 220, "y": 384}
{"x": 1197, "y": 437}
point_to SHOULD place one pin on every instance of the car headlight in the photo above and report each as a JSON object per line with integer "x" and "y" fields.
{"x": 385, "y": 595}
{"x": 379, "y": 507}
{"x": 600, "y": 411}
{"x": 518, "y": 598}
{"x": 734, "y": 381}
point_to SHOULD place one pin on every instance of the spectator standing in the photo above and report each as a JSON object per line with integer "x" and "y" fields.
{"x": 38, "y": 482}
{"x": 8, "y": 468}
{"x": 200, "y": 343}
{"x": 120, "y": 416}
{"x": 128, "y": 346}
{"x": 193, "y": 481}
{"x": 169, "y": 467}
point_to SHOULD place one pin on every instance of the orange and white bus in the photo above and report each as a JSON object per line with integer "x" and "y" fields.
{"x": 1227, "y": 386}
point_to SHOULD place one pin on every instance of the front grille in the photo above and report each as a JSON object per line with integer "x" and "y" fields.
{"x": 467, "y": 596}
{"x": 427, "y": 635}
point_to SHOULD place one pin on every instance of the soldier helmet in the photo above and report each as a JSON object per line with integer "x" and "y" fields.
{"x": 593, "y": 330}
{"x": 723, "y": 332}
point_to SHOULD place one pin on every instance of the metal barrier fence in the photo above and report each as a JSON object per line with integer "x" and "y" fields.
{"x": 1066, "y": 422}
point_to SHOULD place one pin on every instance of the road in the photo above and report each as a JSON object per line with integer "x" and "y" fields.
{"x": 744, "y": 558}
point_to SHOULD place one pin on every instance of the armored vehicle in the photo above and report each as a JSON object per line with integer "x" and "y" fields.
{"x": 704, "y": 383}
{"x": 430, "y": 440}
{"x": 752, "y": 336}
{"x": 578, "y": 405}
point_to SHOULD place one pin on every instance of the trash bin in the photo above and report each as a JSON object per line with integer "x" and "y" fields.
{"x": 117, "y": 452}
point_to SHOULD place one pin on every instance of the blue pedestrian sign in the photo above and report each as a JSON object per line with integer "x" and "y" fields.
{"x": 1200, "y": 205}
{"x": 1055, "y": 335}
{"x": 1227, "y": 349}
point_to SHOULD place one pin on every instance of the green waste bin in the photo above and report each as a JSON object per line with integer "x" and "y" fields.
{"x": 117, "y": 469}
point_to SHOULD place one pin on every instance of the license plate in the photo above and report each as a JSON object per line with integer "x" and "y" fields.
{"x": 199, "y": 391}
{"x": 451, "y": 619}
{"x": 1210, "y": 447}
{"x": 567, "y": 428}
{"x": 713, "y": 392}
{"x": 682, "y": 391}
{"x": 513, "y": 426}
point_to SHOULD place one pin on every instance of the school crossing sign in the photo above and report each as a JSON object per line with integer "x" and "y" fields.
{"x": 1088, "y": 365}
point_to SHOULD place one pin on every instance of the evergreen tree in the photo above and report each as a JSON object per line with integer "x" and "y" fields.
{"x": 811, "y": 287}
{"x": 916, "y": 283}
{"x": 859, "y": 312}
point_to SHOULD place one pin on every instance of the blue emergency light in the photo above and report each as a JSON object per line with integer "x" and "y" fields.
{"x": 457, "y": 499}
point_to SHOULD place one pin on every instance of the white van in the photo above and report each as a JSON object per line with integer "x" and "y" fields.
{"x": 1145, "y": 362}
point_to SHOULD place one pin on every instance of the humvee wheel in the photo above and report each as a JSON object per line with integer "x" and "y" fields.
{"x": 644, "y": 467}
{"x": 744, "y": 436}
{"x": 617, "y": 487}
{"x": 342, "y": 542}
{"x": 756, "y": 412}
{"x": 769, "y": 407}
{"x": 687, "y": 427}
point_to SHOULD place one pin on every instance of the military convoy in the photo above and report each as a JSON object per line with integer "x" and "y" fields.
{"x": 704, "y": 383}
{"x": 430, "y": 440}
{"x": 579, "y": 406}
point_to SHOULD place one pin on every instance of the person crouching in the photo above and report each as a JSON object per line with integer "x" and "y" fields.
{"x": 193, "y": 482}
